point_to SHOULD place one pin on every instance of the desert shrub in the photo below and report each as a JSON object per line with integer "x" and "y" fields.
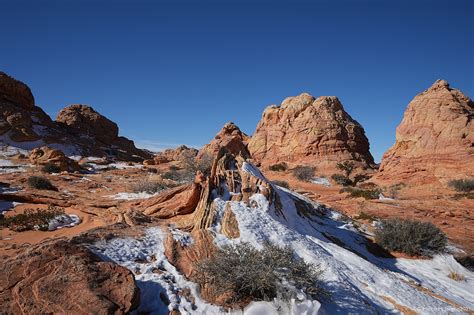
{"x": 279, "y": 167}
{"x": 263, "y": 274}
{"x": 281, "y": 183}
{"x": 147, "y": 185}
{"x": 364, "y": 193}
{"x": 191, "y": 164}
{"x": 304, "y": 173}
{"x": 31, "y": 219}
{"x": 347, "y": 167}
{"x": 40, "y": 182}
{"x": 462, "y": 185}
{"x": 341, "y": 180}
{"x": 410, "y": 237}
{"x": 51, "y": 168}
{"x": 393, "y": 190}
{"x": 456, "y": 276}
{"x": 360, "y": 178}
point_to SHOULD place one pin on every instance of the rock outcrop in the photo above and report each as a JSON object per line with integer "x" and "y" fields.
{"x": 45, "y": 155}
{"x": 20, "y": 119}
{"x": 309, "y": 131}
{"x": 79, "y": 129}
{"x": 434, "y": 141}
{"x": 229, "y": 137}
{"x": 58, "y": 276}
{"x": 170, "y": 155}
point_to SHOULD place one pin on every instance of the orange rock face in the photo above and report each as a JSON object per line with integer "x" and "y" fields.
{"x": 176, "y": 154}
{"x": 46, "y": 155}
{"x": 79, "y": 129}
{"x": 305, "y": 130}
{"x": 435, "y": 140}
{"x": 229, "y": 137}
{"x": 49, "y": 278}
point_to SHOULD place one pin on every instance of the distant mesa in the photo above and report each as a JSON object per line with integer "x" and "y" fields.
{"x": 78, "y": 129}
{"x": 305, "y": 130}
{"x": 435, "y": 140}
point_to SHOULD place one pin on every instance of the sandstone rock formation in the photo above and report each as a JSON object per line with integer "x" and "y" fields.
{"x": 170, "y": 155}
{"x": 434, "y": 141}
{"x": 58, "y": 276}
{"x": 20, "y": 119}
{"x": 45, "y": 155}
{"x": 229, "y": 137}
{"x": 309, "y": 131}
{"x": 79, "y": 129}
{"x": 191, "y": 208}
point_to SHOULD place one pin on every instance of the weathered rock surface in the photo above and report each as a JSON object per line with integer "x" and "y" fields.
{"x": 229, "y": 137}
{"x": 309, "y": 131}
{"x": 79, "y": 129}
{"x": 170, "y": 155}
{"x": 434, "y": 141}
{"x": 45, "y": 155}
{"x": 60, "y": 277}
{"x": 20, "y": 119}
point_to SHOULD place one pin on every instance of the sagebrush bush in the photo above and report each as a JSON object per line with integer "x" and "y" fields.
{"x": 341, "y": 180}
{"x": 410, "y": 237}
{"x": 147, "y": 185}
{"x": 279, "y": 167}
{"x": 191, "y": 163}
{"x": 281, "y": 183}
{"x": 31, "y": 219}
{"x": 364, "y": 193}
{"x": 263, "y": 274}
{"x": 51, "y": 168}
{"x": 347, "y": 167}
{"x": 40, "y": 182}
{"x": 304, "y": 173}
{"x": 462, "y": 185}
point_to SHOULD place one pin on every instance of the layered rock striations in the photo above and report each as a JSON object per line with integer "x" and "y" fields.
{"x": 229, "y": 137}
{"x": 305, "y": 130}
{"x": 435, "y": 140}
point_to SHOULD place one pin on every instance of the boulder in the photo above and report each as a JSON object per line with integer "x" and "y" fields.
{"x": 46, "y": 155}
{"x": 308, "y": 131}
{"x": 60, "y": 277}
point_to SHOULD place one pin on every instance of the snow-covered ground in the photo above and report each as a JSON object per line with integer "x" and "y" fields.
{"x": 321, "y": 181}
{"x": 132, "y": 196}
{"x": 358, "y": 282}
{"x": 63, "y": 221}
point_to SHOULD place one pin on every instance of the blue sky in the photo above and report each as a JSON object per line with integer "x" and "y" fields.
{"x": 174, "y": 72}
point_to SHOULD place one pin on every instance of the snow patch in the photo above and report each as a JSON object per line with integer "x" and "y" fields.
{"x": 132, "y": 196}
{"x": 321, "y": 181}
{"x": 63, "y": 221}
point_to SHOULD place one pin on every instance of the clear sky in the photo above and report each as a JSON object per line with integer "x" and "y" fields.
{"x": 174, "y": 72}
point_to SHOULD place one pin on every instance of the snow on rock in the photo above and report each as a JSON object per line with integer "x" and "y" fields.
{"x": 321, "y": 181}
{"x": 63, "y": 221}
{"x": 155, "y": 276}
{"x": 132, "y": 196}
{"x": 358, "y": 281}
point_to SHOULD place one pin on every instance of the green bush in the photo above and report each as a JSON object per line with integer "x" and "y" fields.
{"x": 51, "y": 168}
{"x": 263, "y": 274}
{"x": 364, "y": 193}
{"x": 341, "y": 180}
{"x": 347, "y": 167}
{"x": 31, "y": 219}
{"x": 281, "y": 183}
{"x": 462, "y": 185}
{"x": 410, "y": 237}
{"x": 279, "y": 167}
{"x": 40, "y": 182}
{"x": 304, "y": 173}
